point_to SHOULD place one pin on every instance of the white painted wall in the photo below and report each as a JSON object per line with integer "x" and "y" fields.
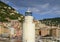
{"x": 28, "y": 29}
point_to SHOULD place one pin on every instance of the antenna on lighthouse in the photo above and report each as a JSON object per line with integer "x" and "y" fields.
{"x": 28, "y": 12}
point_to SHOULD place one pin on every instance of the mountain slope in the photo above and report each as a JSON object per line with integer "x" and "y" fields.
{"x": 51, "y": 21}
{"x": 8, "y": 13}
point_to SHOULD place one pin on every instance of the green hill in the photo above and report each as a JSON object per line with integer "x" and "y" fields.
{"x": 51, "y": 21}
{"x": 7, "y": 12}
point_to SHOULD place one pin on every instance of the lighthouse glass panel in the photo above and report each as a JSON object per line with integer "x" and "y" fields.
{"x": 28, "y": 13}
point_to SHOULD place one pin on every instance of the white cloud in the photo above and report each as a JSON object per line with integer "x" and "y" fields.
{"x": 45, "y": 9}
{"x": 57, "y": 12}
{"x": 45, "y": 5}
{"x": 35, "y": 10}
{"x": 40, "y": 8}
{"x": 5, "y": 1}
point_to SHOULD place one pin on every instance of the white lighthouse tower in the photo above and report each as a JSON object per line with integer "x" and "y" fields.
{"x": 28, "y": 27}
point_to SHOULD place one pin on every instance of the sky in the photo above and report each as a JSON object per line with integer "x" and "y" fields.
{"x": 41, "y": 9}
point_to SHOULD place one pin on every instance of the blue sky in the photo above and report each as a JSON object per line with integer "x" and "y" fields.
{"x": 41, "y": 9}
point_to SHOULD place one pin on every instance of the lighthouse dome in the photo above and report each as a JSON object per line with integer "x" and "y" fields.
{"x": 28, "y": 12}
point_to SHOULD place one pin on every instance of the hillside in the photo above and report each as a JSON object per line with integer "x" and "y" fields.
{"x": 51, "y": 21}
{"x": 8, "y": 13}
